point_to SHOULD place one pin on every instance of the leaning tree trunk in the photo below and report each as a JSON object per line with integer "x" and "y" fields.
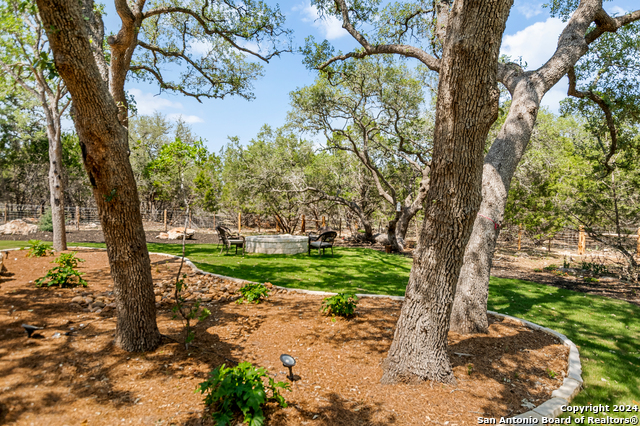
{"x": 56, "y": 182}
{"x": 527, "y": 89}
{"x": 104, "y": 145}
{"x": 469, "y": 314}
{"x": 467, "y": 106}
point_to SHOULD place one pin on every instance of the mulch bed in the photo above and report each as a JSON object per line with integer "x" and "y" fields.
{"x": 83, "y": 379}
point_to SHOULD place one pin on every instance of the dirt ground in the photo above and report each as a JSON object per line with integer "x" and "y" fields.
{"x": 96, "y": 236}
{"x": 83, "y": 379}
{"x": 529, "y": 263}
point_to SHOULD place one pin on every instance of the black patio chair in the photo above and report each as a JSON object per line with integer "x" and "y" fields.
{"x": 323, "y": 241}
{"x": 229, "y": 239}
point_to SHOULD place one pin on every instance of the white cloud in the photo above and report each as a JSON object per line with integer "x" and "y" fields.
{"x": 616, "y": 10}
{"x": 529, "y": 10}
{"x": 330, "y": 26}
{"x": 535, "y": 44}
{"x": 189, "y": 119}
{"x": 200, "y": 47}
{"x": 148, "y": 103}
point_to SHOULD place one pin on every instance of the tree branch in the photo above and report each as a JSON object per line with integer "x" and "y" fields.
{"x": 613, "y": 133}
{"x": 210, "y": 31}
{"x": 405, "y": 50}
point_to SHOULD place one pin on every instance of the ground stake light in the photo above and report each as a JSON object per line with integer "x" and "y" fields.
{"x": 30, "y": 329}
{"x": 289, "y": 362}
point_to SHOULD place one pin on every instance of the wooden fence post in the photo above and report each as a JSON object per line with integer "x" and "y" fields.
{"x": 277, "y": 224}
{"x": 239, "y": 222}
{"x": 258, "y": 224}
{"x": 77, "y": 218}
{"x": 637, "y": 247}
{"x": 164, "y": 219}
{"x": 340, "y": 226}
{"x": 6, "y": 208}
{"x": 519, "y": 236}
{"x": 582, "y": 241}
{"x": 214, "y": 221}
{"x": 189, "y": 219}
{"x": 324, "y": 224}
{"x": 303, "y": 225}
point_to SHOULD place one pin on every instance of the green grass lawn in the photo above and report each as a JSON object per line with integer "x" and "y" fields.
{"x": 607, "y": 331}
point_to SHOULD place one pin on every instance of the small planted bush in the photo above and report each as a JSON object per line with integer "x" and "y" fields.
{"x": 45, "y": 223}
{"x": 65, "y": 274}
{"x": 188, "y": 312}
{"x": 253, "y": 293}
{"x": 551, "y": 267}
{"x": 342, "y": 304}
{"x": 240, "y": 389}
{"x": 37, "y": 249}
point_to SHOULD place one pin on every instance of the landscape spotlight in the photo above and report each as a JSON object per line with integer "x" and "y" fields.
{"x": 289, "y": 362}
{"x": 30, "y": 329}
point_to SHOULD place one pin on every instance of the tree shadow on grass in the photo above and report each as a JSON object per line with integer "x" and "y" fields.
{"x": 605, "y": 330}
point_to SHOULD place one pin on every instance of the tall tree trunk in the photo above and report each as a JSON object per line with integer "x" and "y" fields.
{"x": 56, "y": 181}
{"x": 469, "y": 314}
{"x": 104, "y": 145}
{"x": 527, "y": 89}
{"x": 467, "y": 106}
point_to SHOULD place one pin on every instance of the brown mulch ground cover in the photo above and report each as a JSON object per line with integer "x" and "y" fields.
{"x": 83, "y": 379}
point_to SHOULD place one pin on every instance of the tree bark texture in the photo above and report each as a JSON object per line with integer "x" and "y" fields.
{"x": 467, "y": 106}
{"x": 104, "y": 145}
{"x": 469, "y": 314}
{"x": 56, "y": 182}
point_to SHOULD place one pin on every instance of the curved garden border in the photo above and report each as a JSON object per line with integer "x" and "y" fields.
{"x": 549, "y": 409}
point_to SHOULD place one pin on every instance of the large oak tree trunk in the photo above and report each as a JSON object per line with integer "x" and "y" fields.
{"x": 527, "y": 89}
{"x": 467, "y": 106}
{"x": 104, "y": 145}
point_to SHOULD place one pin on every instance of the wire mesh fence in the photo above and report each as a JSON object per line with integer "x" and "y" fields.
{"x": 569, "y": 240}
{"x": 573, "y": 240}
{"x": 87, "y": 217}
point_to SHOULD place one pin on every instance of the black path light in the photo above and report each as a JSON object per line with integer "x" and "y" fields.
{"x": 289, "y": 362}
{"x": 30, "y": 329}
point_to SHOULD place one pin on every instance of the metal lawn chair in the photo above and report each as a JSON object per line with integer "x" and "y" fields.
{"x": 228, "y": 239}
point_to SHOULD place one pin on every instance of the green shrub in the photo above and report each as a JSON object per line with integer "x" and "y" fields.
{"x": 551, "y": 267}
{"x": 38, "y": 249}
{"x": 45, "y": 223}
{"x": 342, "y": 304}
{"x": 595, "y": 268}
{"x": 63, "y": 274}
{"x": 253, "y": 293}
{"x": 241, "y": 388}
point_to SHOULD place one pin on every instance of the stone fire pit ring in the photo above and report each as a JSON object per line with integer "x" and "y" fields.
{"x": 277, "y": 244}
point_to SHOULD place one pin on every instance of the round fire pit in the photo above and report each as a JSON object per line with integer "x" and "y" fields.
{"x": 277, "y": 244}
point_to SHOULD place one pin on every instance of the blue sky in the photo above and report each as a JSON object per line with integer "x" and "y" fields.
{"x": 530, "y": 33}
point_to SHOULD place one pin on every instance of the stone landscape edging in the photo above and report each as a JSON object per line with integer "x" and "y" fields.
{"x": 550, "y": 409}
